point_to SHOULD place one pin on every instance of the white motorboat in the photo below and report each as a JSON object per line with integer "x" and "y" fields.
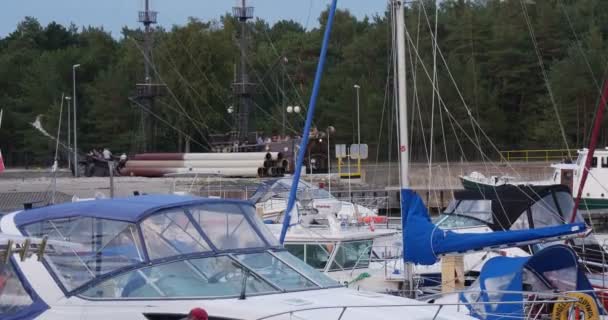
{"x": 272, "y": 195}
{"x": 594, "y": 194}
{"x": 157, "y": 257}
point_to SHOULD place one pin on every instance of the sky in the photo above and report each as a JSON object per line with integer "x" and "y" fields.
{"x": 114, "y": 14}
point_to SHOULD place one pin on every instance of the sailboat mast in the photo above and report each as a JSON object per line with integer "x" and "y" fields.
{"x": 599, "y": 116}
{"x": 402, "y": 95}
{"x": 399, "y": 18}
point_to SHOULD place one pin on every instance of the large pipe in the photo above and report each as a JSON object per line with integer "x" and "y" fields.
{"x": 205, "y": 156}
{"x": 309, "y": 116}
{"x": 160, "y": 172}
{"x": 193, "y": 163}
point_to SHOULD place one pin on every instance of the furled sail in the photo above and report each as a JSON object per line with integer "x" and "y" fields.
{"x": 424, "y": 242}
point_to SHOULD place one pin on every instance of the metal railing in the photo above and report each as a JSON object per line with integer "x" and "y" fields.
{"x": 537, "y": 155}
{"x": 534, "y": 299}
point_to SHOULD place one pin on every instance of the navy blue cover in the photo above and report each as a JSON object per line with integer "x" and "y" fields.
{"x": 130, "y": 209}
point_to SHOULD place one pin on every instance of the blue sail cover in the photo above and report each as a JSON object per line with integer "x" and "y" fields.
{"x": 501, "y": 282}
{"x": 424, "y": 242}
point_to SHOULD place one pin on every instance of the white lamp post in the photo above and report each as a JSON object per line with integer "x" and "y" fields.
{"x": 74, "y": 67}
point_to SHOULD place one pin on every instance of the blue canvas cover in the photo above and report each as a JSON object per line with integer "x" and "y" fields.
{"x": 129, "y": 209}
{"x": 502, "y": 280}
{"x": 424, "y": 242}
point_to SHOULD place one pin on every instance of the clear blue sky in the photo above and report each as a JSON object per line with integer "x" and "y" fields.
{"x": 114, "y": 14}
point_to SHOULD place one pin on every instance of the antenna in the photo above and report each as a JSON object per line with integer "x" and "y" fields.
{"x": 243, "y": 89}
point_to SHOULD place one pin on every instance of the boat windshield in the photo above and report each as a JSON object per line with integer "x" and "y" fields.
{"x": 451, "y": 221}
{"x": 305, "y": 190}
{"x": 212, "y": 277}
{"x": 466, "y": 213}
{"x": 109, "y": 246}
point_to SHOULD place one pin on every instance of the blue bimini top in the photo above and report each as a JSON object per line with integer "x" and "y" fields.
{"x": 130, "y": 209}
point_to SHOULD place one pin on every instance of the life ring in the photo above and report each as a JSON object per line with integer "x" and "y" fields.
{"x": 584, "y": 302}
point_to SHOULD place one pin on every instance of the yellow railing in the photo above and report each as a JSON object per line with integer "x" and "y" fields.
{"x": 538, "y": 155}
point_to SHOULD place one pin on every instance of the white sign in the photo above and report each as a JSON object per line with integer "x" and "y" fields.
{"x": 340, "y": 151}
{"x": 358, "y": 151}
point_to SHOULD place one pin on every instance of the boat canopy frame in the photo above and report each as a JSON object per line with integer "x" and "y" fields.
{"x": 509, "y": 203}
{"x": 139, "y": 209}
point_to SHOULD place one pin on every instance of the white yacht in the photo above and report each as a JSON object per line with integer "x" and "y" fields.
{"x": 157, "y": 257}
{"x": 272, "y": 195}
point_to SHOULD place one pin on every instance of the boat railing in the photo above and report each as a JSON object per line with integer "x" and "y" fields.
{"x": 532, "y": 312}
{"x": 545, "y": 155}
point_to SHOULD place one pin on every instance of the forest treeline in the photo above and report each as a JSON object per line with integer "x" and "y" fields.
{"x": 505, "y": 70}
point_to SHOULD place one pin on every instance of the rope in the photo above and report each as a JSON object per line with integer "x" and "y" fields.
{"x": 545, "y": 77}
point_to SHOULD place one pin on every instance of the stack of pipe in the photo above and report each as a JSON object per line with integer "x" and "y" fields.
{"x": 237, "y": 164}
{"x": 274, "y": 166}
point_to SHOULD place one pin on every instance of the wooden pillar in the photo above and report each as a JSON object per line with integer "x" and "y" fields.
{"x": 452, "y": 273}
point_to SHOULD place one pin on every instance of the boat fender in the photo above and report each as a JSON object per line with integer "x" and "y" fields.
{"x": 584, "y": 302}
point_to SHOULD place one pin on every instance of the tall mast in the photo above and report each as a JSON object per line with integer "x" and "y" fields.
{"x": 399, "y": 18}
{"x": 402, "y": 94}
{"x": 146, "y": 92}
{"x": 243, "y": 89}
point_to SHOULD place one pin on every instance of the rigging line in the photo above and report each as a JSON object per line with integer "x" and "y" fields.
{"x": 191, "y": 88}
{"x": 204, "y": 74}
{"x": 273, "y": 118}
{"x": 168, "y": 88}
{"x": 445, "y": 150}
{"x": 442, "y": 104}
{"x": 435, "y": 84}
{"x": 416, "y": 110}
{"x": 169, "y": 58}
{"x": 435, "y": 49}
{"x": 202, "y": 122}
{"x": 579, "y": 46}
{"x": 180, "y": 114}
{"x": 270, "y": 95}
{"x": 276, "y": 52}
{"x": 545, "y": 77}
{"x": 415, "y": 96}
{"x": 309, "y": 14}
{"x": 385, "y": 103}
{"x": 167, "y": 123}
{"x": 453, "y": 80}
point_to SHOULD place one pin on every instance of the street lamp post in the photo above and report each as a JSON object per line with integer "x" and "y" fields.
{"x": 75, "y": 126}
{"x": 293, "y": 109}
{"x": 357, "y": 87}
{"x": 69, "y": 100}
{"x": 330, "y": 130}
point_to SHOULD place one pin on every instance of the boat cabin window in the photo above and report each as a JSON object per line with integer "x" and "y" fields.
{"x": 594, "y": 162}
{"x": 106, "y": 245}
{"x": 315, "y": 255}
{"x": 226, "y": 226}
{"x": 170, "y": 234}
{"x": 545, "y": 213}
{"x": 604, "y": 162}
{"x": 467, "y": 213}
{"x": 352, "y": 255}
{"x": 271, "y": 268}
{"x": 214, "y": 277}
{"x": 563, "y": 279}
{"x": 208, "y": 277}
{"x": 13, "y": 296}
